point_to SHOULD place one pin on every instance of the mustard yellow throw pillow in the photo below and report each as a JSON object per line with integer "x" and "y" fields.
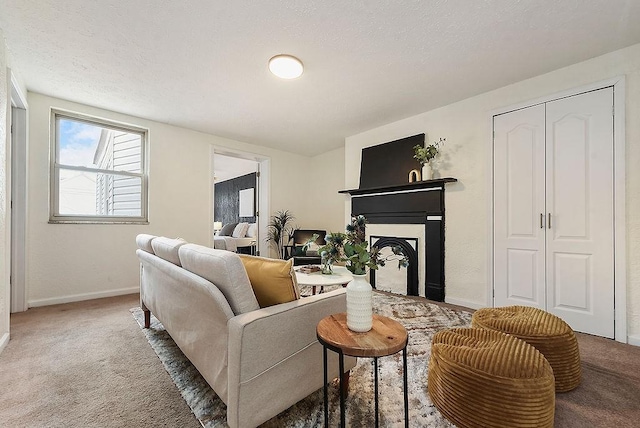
{"x": 273, "y": 281}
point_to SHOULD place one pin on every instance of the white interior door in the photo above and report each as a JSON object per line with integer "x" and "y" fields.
{"x": 519, "y": 203}
{"x": 580, "y": 219}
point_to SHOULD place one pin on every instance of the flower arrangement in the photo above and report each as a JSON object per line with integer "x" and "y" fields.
{"x": 425, "y": 154}
{"x": 352, "y": 249}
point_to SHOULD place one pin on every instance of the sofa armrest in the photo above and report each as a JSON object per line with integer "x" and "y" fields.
{"x": 262, "y": 338}
{"x": 274, "y": 352}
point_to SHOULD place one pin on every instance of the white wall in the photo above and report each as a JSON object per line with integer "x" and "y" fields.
{"x": 466, "y": 156}
{"x": 5, "y": 186}
{"x": 324, "y": 179}
{"x": 77, "y": 261}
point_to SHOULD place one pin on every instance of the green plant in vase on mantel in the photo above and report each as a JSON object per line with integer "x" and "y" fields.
{"x": 425, "y": 155}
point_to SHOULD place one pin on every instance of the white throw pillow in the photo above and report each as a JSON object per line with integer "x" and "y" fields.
{"x": 241, "y": 230}
{"x": 252, "y": 231}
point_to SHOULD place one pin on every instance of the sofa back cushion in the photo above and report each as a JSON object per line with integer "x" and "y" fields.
{"x": 273, "y": 280}
{"x": 225, "y": 270}
{"x": 143, "y": 241}
{"x": 167, "y": 248}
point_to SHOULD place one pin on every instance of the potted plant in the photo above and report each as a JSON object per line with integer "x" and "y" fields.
{"x": 280, "y": 231}
{"x": 352, "y": 249}
{"x": 424, "y": 155}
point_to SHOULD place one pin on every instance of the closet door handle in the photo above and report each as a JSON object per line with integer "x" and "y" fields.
{"x": 541, "y": 221}
{"x": 549, "y": 220}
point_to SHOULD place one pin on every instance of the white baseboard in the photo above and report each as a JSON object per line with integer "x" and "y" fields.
{"x": 83, "y": 296}
{"x": 633, "y": 340}
{"x": 4, "y": 340}
{"x": 465, "y": 303}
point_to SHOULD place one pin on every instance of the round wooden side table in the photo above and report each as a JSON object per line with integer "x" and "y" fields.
{"x": 386, "y": 337}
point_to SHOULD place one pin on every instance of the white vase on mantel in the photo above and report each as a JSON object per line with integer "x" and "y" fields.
{"x": 427, "y": 171}
{"x": 359, "y": 304}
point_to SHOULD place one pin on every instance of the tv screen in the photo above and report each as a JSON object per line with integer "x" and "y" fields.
{"x": 389, "y": 164}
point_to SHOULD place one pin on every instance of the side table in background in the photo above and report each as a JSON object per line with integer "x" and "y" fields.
{"x": 340, "y": 276}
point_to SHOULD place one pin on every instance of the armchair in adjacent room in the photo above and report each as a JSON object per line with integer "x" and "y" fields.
{"x": 308, "y": 256}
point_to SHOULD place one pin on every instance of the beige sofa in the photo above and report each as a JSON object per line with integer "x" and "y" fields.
{"x": 258, "y": 361}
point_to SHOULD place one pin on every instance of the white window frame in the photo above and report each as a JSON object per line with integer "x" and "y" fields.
{"x": 55, "y": 166}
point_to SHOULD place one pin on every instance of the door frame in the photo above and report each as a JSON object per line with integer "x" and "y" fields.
{"x": 619, "y": 189}
{"x": 263, "y": 196}
{"x": 17, "y": 224}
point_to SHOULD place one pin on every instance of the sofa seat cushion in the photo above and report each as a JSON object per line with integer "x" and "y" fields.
{"x": 225, "y": 270}
{"x": 167, "y": 248}
{"x": 273, "y": 280}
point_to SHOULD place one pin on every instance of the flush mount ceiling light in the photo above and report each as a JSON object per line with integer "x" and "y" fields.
{"x": 286, "y": 66}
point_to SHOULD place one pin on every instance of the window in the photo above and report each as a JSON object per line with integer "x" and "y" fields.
{"x": 98, "y": 172}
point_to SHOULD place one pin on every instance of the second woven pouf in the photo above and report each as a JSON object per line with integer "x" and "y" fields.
{"x": 548, "y": 333}
{"x": 484, "y": 378}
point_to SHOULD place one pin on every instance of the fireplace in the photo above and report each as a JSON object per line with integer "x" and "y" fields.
{"x": 388, "y": 201}
{"x": 421, "y": 206}
{"x": 405, "y": 281}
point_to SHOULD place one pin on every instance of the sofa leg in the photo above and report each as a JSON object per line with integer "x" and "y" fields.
{"x": 344, "y": 382}
{"x": 147, "y": 318}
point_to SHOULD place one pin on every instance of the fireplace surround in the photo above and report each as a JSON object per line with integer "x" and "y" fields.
{"x": 419, "y": 202}
{"x": 386, "y": 197}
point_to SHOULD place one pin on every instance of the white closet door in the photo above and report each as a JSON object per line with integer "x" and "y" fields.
{"x": 519, "y": 201}
{"x": 579, "y": 165}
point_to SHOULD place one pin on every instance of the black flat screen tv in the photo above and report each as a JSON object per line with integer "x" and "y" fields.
{"x": 389, "y": 164}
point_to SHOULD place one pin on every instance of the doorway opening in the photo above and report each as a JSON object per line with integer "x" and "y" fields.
{"x": 240, "y": 188}
{"x": 18, "y": 212}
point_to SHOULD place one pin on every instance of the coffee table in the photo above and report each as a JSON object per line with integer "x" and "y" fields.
{"x": 340, "y": 276}
{"x": 386, "y": 337}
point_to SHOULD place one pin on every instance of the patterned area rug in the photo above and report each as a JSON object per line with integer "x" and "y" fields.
{"x": 421, "y": 319}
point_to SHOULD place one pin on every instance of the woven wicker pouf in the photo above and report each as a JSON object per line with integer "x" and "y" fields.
{"x": 484, "y": 378}
{"x": 548, "y": 333}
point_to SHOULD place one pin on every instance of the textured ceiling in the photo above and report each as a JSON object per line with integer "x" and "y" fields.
{"x": 202, "y": 64}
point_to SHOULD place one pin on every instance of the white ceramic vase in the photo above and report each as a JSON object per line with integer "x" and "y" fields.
{"x": 359, "y": 304}
{"x": 427, "y": 171}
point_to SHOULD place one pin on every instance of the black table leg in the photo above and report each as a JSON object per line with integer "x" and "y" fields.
{"x": 342, "y": 412}
{"x": 326, "y": 395}
{"x": 375, "y": 387}
{"x": 406, "y": 388}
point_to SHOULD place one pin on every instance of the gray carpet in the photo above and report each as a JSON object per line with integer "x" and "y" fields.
{"x": 85, "y": 365}
{"x": 420, "y": 318}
